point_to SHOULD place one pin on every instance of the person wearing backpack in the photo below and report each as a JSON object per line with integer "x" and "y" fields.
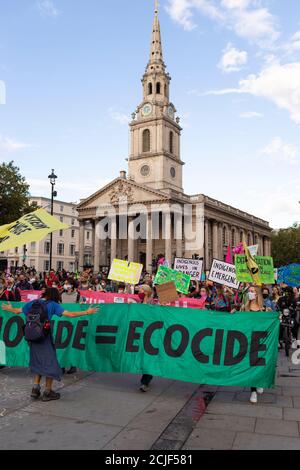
{"x": 37, "y": 331}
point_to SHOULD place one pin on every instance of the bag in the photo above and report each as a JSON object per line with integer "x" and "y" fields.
{"x": 37, "y": 326}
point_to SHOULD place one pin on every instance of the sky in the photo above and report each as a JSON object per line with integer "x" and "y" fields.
{"x": 70, "y": 77}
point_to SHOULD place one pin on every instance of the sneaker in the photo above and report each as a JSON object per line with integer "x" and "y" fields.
{"x": 253, "y": 397}
{"x": 48, "y": 396}
{"x": 72, "y": 370}
{"x": 35, "y": 393}
{"x": 144, "y": 388}
{"x": 260, "y": 391}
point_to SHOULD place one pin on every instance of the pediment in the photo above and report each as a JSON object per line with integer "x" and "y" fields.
{"x": 122, "y": 191}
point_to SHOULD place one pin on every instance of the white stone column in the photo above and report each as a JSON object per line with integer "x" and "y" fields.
{"x": 96, "y": 243}
{"x": 168, "y": 240}
{"x": 149, "y": 246}
{"x": 113, "y": 239}
{"x": 178, "y": 234}
{"x": 81, "y": 244}
{"x": 131, "y": 254}
{"x": 206, "y": 244}
{"x": 215, "y": 240}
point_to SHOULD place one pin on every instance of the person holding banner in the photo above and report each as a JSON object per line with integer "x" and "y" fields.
{"x": 43, "y": 359}
{"x": 145, "y": 294}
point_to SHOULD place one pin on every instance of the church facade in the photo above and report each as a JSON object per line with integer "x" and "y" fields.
{"x": 146, "y": 213}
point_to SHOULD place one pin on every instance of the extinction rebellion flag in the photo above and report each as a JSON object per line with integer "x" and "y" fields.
{"x": 191, "y": 345}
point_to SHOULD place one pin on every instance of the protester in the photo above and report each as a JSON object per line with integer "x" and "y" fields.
{"x": 145, "y": 293}
{"x": 23, "y": 283}
{"x": 43, "y": 359}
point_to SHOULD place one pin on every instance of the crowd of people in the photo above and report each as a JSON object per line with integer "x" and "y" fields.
{"x": 65, "y": 288}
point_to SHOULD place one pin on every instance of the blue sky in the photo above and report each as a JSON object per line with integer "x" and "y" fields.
{"x": 71, "y": 70}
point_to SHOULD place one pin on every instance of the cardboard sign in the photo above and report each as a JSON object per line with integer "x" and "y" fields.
{"x": 191, "y": 267}
{"x": 167, "y": 293}
{"x": 224, "y": 274}
{"x": 122, "y": 271}
{"x": 266, "y": 269}
{"x": 182, "y": 281}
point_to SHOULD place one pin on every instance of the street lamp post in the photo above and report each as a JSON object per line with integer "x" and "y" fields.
{"x": 52, "y": 179}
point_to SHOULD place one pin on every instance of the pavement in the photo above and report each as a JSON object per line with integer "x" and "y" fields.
{"x": 107, "y": 411}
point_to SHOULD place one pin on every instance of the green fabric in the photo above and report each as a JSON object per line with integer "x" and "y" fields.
{"x": 181, "y": 280}
{"x": 160, "y": 354}
{"x": 266, "y": 269}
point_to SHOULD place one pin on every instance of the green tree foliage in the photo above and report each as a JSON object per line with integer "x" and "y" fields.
{"x": 14, "y": 194}
{"x": 286, "y": 246}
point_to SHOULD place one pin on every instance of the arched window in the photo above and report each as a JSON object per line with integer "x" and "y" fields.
{"x": 146, "y": 140}
{"x": 171, "y": 142}
{"x": 158, "y": 88}
{"x": 233, "y": 237}
{"x": 224, "y": 236}
{"x": 150, "y": 88}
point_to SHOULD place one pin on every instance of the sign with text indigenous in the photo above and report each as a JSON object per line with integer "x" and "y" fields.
{"x": 31, "y": 227}
{"x": 207, "y": 347}
{"x": 192, "y": 267}
{"x": 126, "y": 272}
{"x": 289, "y": 275}
{"x": 181, "y": 281}
{"x": 265, "y": 265}
{"x": 224, "y": 274}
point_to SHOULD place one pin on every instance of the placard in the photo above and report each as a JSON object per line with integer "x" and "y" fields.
{"x": 182, "y": 281}
{"x": 167, "y": 293}
{"x": 123, "y": 271}
{"x": 265, "y": 265}
{"x": 191, "y": 267}
{"x": 223, "y": 273}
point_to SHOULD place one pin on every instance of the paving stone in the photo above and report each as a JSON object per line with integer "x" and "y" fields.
{"x": 267, "y": 399}
{"x": 276, "y": 427}
{"x": 236, "y": 409}
{"x": 288, "y": 381}
{"x": 291, "y": 414}
{"x": 291, "y": 391}
{"x": 214, "y": 439}
{"x": 253, "y": 441}
{"x": 224, "y": 397}
{"x": 296, "y": 402}
{"x": 165, "y": 444}
{"x": 132, "y": 439}
{"x": 34, "y": 431}
{"x": 232, "y": 423}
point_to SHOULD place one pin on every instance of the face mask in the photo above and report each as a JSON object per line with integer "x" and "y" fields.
{"x": 141, "y": 296}
{"x": 67, "y": 287}
{"x": 252, "y": 296}
{"x": 203, "y": 294}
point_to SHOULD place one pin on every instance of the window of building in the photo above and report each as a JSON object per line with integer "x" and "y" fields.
{"x": 158, "y": 88}
{"x": 47, "y": 248}
{"x": 72, "y": 267}
{"x": 61, "y": 233}
{"x": 88, "y": 260}
{"x": 61, "y": 218}
{"x": 72, "y": 233}
{"x": 72, "y": 250}
{"x": 60, "y": 265}
{"x": 150, "y": 89}
{"x": 224, "y": 236}
{"x": 60, "y": 248}
{"x": 249, "y": 239}
{"x": 46, "y": 265}
{"x": 61, "y": 208}
{"x": 146, "y": 140}
{"x": 16, "y": 250}
{"x": 32, "y": 247}
{"x": 241, "y": 236}
{"x": 171, "y": 142}
{"x": 73, "y": 222}
{"x": 87, "y": 235}
{"x": 233, "y": 237}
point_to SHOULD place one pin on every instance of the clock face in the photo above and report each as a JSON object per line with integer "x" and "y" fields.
{"x": 145, "y": 170}
{"x": 171, "y": 112}
{"x": 147, "y": 109}
{"x": 173, "y": 172}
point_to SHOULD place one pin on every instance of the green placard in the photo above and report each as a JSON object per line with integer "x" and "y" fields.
{"x": 266, "y": 269}
{"x": 203, "y": 347}
{"x": 182, "y": 281}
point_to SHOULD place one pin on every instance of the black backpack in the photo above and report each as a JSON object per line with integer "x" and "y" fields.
{"x": 37, "y": 326}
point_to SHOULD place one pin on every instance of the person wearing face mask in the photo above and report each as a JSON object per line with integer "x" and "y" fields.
{"x": 205, "y": 299}
{"x": 255, "y": 304}
{"x": 268, "y": 302}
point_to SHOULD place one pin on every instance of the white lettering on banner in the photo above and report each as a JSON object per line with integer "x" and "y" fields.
{"x": 2, "y": 353}
{"x": 224, "y": 274}
{"x": 192, "y": 267}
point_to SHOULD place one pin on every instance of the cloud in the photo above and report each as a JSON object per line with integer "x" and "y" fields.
{"x": 250, "y": 115}
{"x": 232, "y": 59}
{"x": 47, "y": 8}
{"x": 121, "y": 118}
{"x": 280, "y": 151}
{"x": 277, "y": 83}
{"x": 10, "y": 145}
{"x": 293, "y": 45}
{"x": 245, "y": 17}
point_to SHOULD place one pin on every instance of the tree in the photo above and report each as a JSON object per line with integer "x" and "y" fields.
{"x": 14, "y": 194}
{"x": 286, "y": 246}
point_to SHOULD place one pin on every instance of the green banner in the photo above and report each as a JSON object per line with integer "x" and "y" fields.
{"x": 203, "y": 347}
{"x": 181, "y": 280}
{"x": 266, "y": 269}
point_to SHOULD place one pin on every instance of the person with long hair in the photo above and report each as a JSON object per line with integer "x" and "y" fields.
{"x": 43, "y": 359}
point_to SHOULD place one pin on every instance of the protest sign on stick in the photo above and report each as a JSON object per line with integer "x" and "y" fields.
{"x": 223, "y": 273}
{"x": 191, "y": 267}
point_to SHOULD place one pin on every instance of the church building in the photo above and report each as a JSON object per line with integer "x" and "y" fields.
{"x": 146, "y": 212}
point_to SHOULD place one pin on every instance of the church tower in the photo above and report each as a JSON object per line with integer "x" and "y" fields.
{"x": 154, "y": 160}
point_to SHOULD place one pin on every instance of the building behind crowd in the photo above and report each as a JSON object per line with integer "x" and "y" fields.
{"x": 155, "y": 182}
{"x": 65, "y": 251}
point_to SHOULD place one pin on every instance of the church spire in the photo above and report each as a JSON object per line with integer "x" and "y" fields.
{"x": 156, "y": 54}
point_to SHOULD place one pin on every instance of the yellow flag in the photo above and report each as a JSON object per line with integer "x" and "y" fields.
{"x": 31, "y": 227}
{"x": 252, "y": 266}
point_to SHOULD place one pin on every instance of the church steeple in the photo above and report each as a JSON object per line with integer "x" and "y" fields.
{"x": 156, "y": 53}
